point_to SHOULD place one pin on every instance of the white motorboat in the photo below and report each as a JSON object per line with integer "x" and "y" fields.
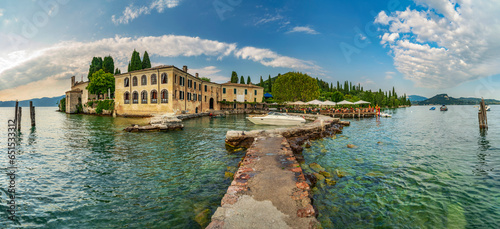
{"x": 385, "y": 115}
{"x": 277, "y": 119}
{"x": 488, "y": 108}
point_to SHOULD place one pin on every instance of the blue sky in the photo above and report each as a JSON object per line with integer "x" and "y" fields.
{"x": 422, "y": 47}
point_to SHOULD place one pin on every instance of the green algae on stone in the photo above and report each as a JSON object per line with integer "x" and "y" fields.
{"x": 340, "y": 173}
{"x": 319, "y": 176}
{"x": 325, "y": 173}
{"x": 229, "y": 175}
{"x": 316, "y": 167}
{"x": 203, "y": 218}
{"x": 330, "y": 182}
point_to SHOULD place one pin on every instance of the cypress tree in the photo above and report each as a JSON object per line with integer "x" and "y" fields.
{"x": 95, "y": 66}
{"x": 234, "y": 77}
{"x": 242, "y": 80}
{"x": 108, "y": 65}
{"x": 145, "y": 61}
{"x": 128, "y": 70}
{"x": 249, "y": 81}
{"x": 135, "y": 62}
{"x": 261, "y": 82}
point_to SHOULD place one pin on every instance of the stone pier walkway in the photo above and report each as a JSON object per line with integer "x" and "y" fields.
{"x": 268, "y": 191}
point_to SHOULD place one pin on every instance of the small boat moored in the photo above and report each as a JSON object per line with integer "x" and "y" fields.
{"x": 488, "y": 108}
{"x": 443, "y": 108}
{"x": 432, "y": 108}
{"x": 385, "y": 115}
{"x": 278, "y": 119}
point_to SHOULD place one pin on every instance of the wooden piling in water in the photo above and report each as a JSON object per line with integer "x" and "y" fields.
{"x": 483, "y": 120}
{"x": 32, "y": 114}
{"x": 16, "y": 114}
{"x": 19, "y": 115}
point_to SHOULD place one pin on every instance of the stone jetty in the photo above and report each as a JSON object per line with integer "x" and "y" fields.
{"x": 269, "y": 190}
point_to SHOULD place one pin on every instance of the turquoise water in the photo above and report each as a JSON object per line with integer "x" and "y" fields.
{"x": 418, "y": 169}
{"x": 79, "y": 171}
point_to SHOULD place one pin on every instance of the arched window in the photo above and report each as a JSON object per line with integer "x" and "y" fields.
{"x": 126, "y": 82}
{"x": 126, "y": 97}
{"x": 153, "y": 79}
{"x": 154, "y": 96}
{"x": 144, "y": 97}
{"x": 135, "y": 97}
{"x": 164, "y": 78}
{"x": 134, "y": 81}
{"x": 164, "y": 96}
{"x": 144, "y": 80}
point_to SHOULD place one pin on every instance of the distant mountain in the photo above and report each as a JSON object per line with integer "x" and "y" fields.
{"x": 42, "y": 102}
{"x": 447, "y": 100}
{"x": 416, "y": 98}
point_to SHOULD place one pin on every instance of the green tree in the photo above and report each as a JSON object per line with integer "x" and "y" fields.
{"x": 100, "y": 83}
{"x": 337, "y": 96}
{"x": 117, "y": 71}
{"x": 145, "y": 61}
{"x": 261, "y": 82}
{"x": 249, "y": 81}
{"x": 242, "y": 80}
{"x": 294, "y": 86}
{"x": 128, "y": 69}
{"x": 95, "y": 66}
{"x": 206, "y": 79}
{"x": 108, "y": 65}
{"x": 135, "y": 61}
{"x": 234, "y": 77}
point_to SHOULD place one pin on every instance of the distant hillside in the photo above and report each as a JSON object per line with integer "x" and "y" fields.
{"x": 446, "y": 100}
{"x": 416, "y": 98}
{"x": 42, "y": 102}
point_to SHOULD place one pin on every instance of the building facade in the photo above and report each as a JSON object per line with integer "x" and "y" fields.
{"x": 168, "y": 89}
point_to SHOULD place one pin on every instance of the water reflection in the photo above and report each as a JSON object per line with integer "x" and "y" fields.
{"x": 481, "y": 168}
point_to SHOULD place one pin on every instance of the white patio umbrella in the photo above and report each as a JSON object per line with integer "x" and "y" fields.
{"x": 328, "y": 103}
{"x": 297, "y": 103}
{"x": 362, "y": 102}
{"x": 314, "y": 102}
{"x": 345, "y": 102}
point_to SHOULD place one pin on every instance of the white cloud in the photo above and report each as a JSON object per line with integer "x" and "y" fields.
{"x": 27, "y": 70}
{"x": 389, "y": 38}
{"x": 211, "y": 72}
{"x": 389, "y": 75}
{"x": 451, "y": 42}
{"x": 1, "y": 12}
{"x": 132, "y": 12}
{"x": 303, "y": 29}
{"x": 271, "y": 59}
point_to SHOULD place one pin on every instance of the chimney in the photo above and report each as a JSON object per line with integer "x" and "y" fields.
{"x": 197, "y": 76}
{"x": 72, "y": 81}
{"x": 185, "y": 68}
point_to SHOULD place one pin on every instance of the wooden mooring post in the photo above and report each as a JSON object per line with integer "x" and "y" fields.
{"x": 19, "y": 114}
{"x": 32, "y": 114}
{"x": 483, "y": 120}
{"x": 15, "y": 116}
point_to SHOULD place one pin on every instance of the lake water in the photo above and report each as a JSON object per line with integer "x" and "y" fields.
{"x": 420, "y": 168}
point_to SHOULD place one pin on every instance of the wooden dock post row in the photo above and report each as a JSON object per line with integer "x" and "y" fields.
{"x": 19, "y": 113}
{"x": 483, "y": 120}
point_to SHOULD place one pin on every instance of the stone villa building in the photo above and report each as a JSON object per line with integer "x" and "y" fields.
{"x": 167, "y": 89}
